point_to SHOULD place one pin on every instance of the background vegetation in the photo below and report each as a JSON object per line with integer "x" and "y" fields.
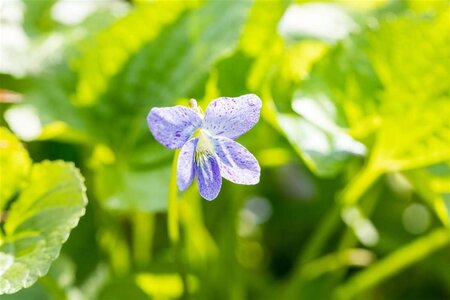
{"x": 354, "y": 145}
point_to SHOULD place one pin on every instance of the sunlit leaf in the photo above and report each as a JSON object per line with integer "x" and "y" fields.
{"x": 427, "y": 6}
{"x": 323, "y": 21}
{"x": 414, "y": 93}
{"x": 346, "y": 77}
{"x": 112, "y": 48}
{"x": 414, "y": 106}
{"x": 261, "y": 26}
{"x": 14, "y": 165}
{"x": 153, "y": 77}
{"x": 39, "y": 222}
{"x": 379, "y": 97}
{"x": 324, "y": 146}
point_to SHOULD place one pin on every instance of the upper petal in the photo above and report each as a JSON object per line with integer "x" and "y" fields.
{"x": 236, "y": 163}
{"x": 185, "y": 165}
{"x": 232, "y": 117}
{"x": 208, "y": 177}
{"x": 172, "y": 126}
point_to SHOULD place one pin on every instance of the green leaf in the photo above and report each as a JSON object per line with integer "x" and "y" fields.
{"x": 324, "y": 146}
{"x": 427, "y": 6}
{"x": 39, "y": 222}
{"x": 345, "y": 76}
{"x": 415, "y": 93}
{"x": 152, "y": 77}
{"x": 381, "y": 99}
{"x": 108, "y": 52}
{"x": 14, "y": 165}
{"x": 262, "y": 25}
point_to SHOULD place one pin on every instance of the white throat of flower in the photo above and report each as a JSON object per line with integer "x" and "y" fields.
{"x": 205, "y": 147}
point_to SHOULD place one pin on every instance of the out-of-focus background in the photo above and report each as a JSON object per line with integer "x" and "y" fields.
{"x": 353, "y": 141}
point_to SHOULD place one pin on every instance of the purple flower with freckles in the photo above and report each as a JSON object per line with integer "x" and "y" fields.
{"x": 208, "y": 149}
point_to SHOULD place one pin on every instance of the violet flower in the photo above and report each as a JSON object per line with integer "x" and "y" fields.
{"x": 208, "y": 149}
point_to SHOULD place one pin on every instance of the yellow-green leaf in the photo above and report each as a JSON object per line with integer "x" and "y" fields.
{"x": 39, "y": 222}
{"x": 14, "y": 165}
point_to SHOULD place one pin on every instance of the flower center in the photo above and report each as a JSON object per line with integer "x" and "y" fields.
{"x": 205, "y": 147}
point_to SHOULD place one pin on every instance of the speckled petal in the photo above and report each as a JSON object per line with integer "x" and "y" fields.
{"x": 173, "y": 126}
{"x": 232, "y": 117}
{"x": 185, "y": 165}
{"x": 236, "y": 163}
{"x": 208, "y": 176}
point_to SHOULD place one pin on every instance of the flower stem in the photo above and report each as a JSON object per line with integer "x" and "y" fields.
{"x": 173, "y": 213}
{"x": 173, "y": 224}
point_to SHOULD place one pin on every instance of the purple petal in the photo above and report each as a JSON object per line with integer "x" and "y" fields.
{"x": 208, "y": 176}
{"x": 236, "y": 163}
{"x": 232, "y": 117}
{"x": 185, "y": 165}
{"x": 173, "y": 126}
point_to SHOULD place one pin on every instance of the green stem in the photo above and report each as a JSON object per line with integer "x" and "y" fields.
{"x": 173, "y": 224}
{"x": 363, "y": 181}
{"x": 394, "y": 263}
{"x": 173, "y": 213}
{"x": 337, "y": 261}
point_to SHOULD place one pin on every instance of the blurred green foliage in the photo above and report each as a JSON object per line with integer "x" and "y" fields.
{"x": 354, "y": 145}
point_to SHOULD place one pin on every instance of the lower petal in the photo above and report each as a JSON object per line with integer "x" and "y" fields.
{"x": 208, "y": 176}
{"x": 236, "y": 163}
{"x": 185, "y": 165}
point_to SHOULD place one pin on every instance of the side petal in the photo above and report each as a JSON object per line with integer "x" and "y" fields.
{"x": 173, "y": 126}
{"x": 232, "y": 117}
{"x": 185, "y": 165}
{"x": 208, "y": 177}
{"x": 236, "y": 163}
